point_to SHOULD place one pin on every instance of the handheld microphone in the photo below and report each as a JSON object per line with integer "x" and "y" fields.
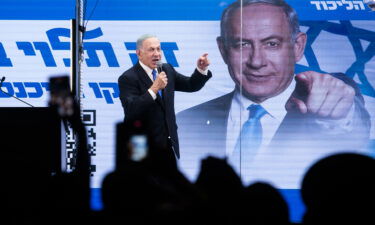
{"x": 159, "y": 65}
{"x": 1, "y": 84}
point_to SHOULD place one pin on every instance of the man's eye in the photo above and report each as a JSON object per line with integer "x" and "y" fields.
{"x": 245, "y": 44}
{"x": 239, "y": 44}
{"x": 272, "y": 44}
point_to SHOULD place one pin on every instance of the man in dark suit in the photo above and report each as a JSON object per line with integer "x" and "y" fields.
{"x": 148, "y": 95}
{"x": 300, "y": 118}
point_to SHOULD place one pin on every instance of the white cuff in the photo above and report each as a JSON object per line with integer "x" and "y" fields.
{"x": 153, "y": 95}
{"x": 204, "y": 72}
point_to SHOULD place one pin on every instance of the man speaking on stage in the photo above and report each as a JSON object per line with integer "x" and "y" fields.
{"x": 147, "y": 92}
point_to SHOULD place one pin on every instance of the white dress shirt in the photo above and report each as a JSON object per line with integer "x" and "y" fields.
{"x": 149, "y": 74}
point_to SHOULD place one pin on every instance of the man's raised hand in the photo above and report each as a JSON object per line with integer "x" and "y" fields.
{"x": 321, "y": 94}
{"x": 203, "y": 62}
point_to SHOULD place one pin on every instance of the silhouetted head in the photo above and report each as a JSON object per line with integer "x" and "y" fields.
{"x": 129, "y": 195}
{"x": 340, "y": 188}
{"x": 223, "y": 189}
{"x": 216, "y": 175}
{"x": 263, "y": 204}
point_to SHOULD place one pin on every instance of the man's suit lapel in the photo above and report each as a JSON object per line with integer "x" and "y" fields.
{"x": 142, "y": 75}
{"x": 216, "y": 122}
{"x": 222, "y": 112}
{"x": 203, "y": 128}
{"x": 227, "y": 101}
{"x": 166, "y": 90}
{"x": 295, "y": 129}
{"x": 146, "y": 81}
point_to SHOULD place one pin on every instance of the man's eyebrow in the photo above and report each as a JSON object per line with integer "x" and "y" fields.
{"x": 278, "y": 37}
{"x": 234, "y": 39}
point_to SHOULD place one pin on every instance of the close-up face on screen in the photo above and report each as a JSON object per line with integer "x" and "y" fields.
{"x": 286, "y": 84}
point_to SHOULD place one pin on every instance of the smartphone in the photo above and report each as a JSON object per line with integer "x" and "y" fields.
{"x": 138, "y": 147}
{"x": 131, "y": 144}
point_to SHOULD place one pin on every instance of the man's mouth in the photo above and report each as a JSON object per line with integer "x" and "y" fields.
{"x": 257, "y": 77}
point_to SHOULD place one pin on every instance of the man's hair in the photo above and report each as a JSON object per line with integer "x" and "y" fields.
{"x": 288, "y": 10}
{"x": 142, "y": 38}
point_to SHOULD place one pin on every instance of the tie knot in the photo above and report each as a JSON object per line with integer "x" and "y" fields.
{"x": 256, "y": 111}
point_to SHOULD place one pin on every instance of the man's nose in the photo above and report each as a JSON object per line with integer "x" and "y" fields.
{"x": 256, "y": 58}
{"x": 157, "y": 53}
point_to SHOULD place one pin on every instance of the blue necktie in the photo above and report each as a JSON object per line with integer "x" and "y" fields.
{"x": 250, "y": 137}
{"x": 153, "y": 78}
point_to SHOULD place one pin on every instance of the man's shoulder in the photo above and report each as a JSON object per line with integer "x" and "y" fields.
{"x": 202, "y": 128}
{"x": 129, "y": 73}
{"x": 209, "y": 108}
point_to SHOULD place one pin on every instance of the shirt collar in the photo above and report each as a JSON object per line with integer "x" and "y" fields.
{"x": 146, "y": 68}
{"x": 275, "y": 106}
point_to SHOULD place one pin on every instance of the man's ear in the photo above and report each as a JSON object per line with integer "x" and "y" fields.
{"x": 222, "y": 49}
{"x": 138, "y": 52}
{"x": 299, "y": 46}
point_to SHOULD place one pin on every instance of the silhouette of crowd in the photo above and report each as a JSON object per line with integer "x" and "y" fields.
{"x": 339, "y": 189}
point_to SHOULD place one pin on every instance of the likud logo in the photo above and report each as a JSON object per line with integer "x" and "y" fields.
{"x": 346, "y": 4}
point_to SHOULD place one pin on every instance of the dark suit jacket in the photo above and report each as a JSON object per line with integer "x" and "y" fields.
{"x": 203, "y": 131}
{"x": 159, "y": 114}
